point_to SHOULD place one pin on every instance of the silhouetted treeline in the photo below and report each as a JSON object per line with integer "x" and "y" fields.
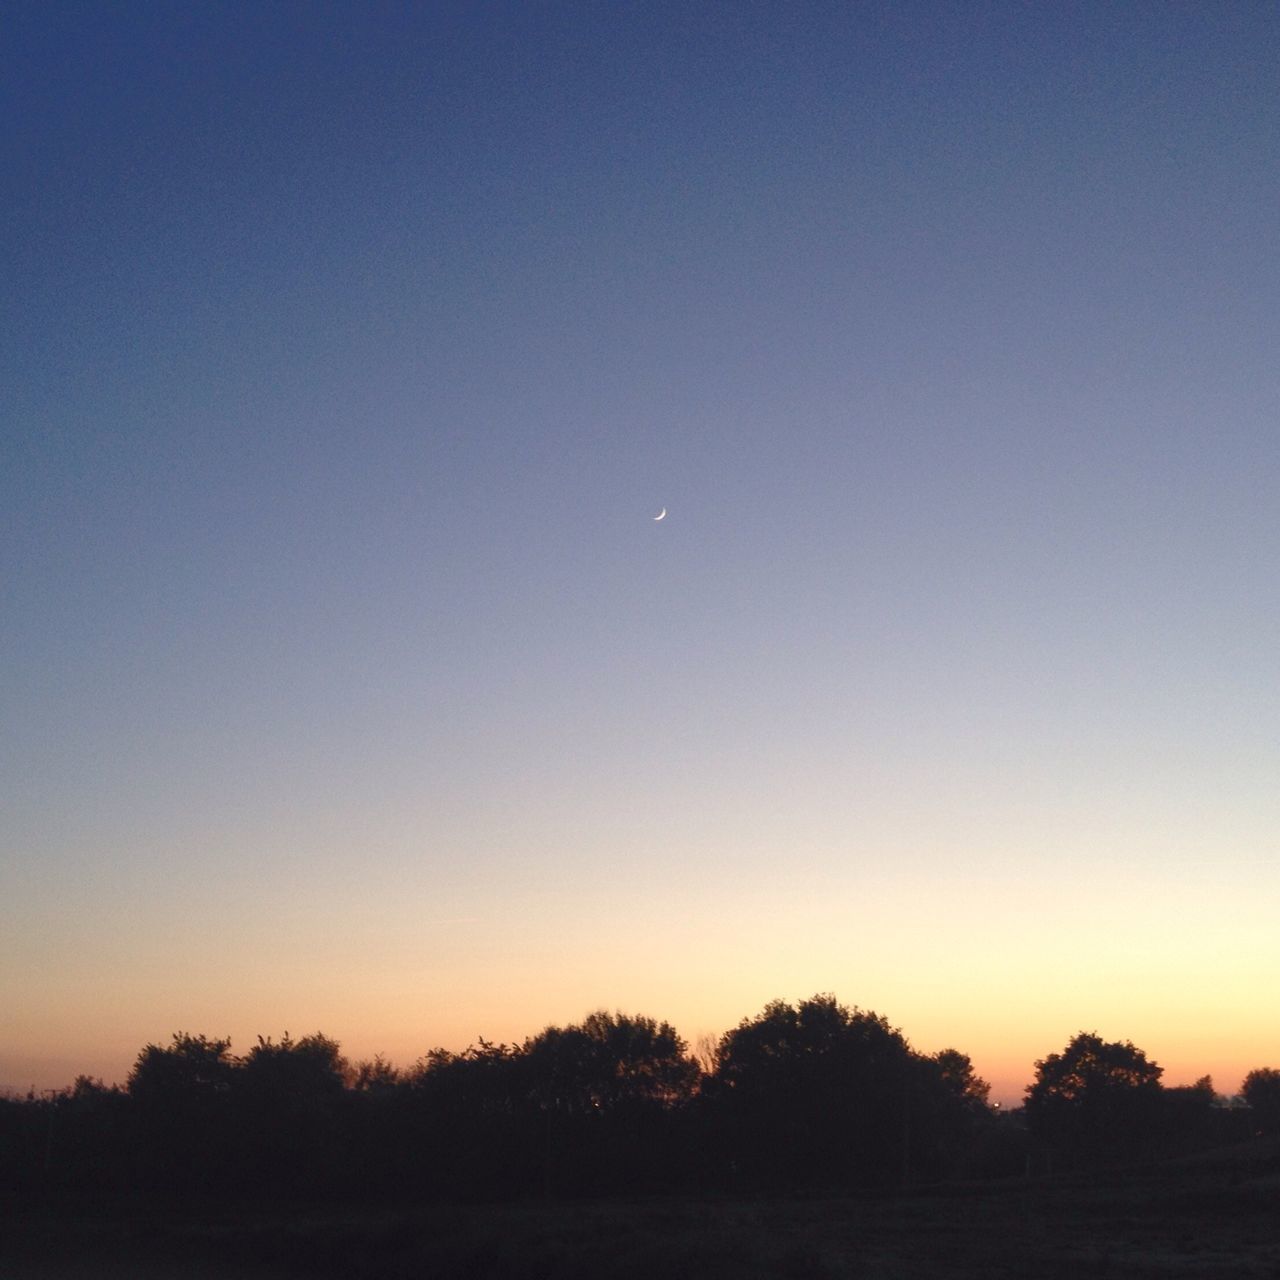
{"x": 812, "y": 1095}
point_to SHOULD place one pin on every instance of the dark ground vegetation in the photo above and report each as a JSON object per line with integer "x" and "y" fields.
{"x": 1214, "y": 1216}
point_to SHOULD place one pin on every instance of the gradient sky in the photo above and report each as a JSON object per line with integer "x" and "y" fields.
{"x": 348, "y": 683}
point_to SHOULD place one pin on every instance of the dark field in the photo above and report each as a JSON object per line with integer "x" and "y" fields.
{"x": 1217, "y": 1216}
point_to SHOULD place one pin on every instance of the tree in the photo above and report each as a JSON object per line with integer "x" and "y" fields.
{"x": 947, "y": 1112}
{"x": 481, "y": 1080}
{"x": 375, "y": 1077}
{"x": 190, "y": 1069}
{"x": 608, "y": 1093}
{"x": 469, "y": 1122}
{"x": 1096, "y": 1097}
{"x": 1189, "y": 1118}
{"x": 307, "y": 1068}
{"x": 814, "y": 1092}
{"x": 181, "y": 1095}
{"x": 817, "y": 1040}
{"x": 611, "y": 1062}
{"x": 1261, "y": 1090}
{"x": 960, "y": 1082}
{"x": 292, "y": 1108}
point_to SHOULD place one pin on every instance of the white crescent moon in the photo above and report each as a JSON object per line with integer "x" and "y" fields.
{"x": 662, "y": 515}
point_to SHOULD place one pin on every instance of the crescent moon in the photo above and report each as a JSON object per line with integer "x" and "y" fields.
{"x": 662, "y": 515}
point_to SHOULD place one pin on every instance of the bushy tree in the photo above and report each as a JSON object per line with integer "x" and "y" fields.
{"x": 607, "y": 1091}
{"x": 291, "y": 1108}
{"x": 189, "y": 1070}
{"x": 960, "y": 1082}
{"x": 470, "y": 1121}
{"x": 1188, "y": 1116}
{"x": 947, "y": 1113}
{"x": 484, "y": 1079}
{"x": 1261, "y": 1090}
{"x": 1096, "y": 1098}
{"x": 298, "y": 1069}
{"x": 610, "y": 1062}
{"x": 375, "y": 1077}
{"x": 181, "y": 1094}
{"x": 814, "y": 1092}
{"x": 816, "y": 1041}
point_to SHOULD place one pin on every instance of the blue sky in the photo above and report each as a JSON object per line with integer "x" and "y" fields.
{"x": 348, "y": 680}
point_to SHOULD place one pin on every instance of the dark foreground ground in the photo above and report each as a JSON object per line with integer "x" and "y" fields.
{"x": 1216, "y": 1216}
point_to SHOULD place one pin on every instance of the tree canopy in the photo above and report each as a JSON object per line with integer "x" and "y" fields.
{"x": 815, "y": 1093}
{"x": 1095, "y": 1094}
{"x": 611, "y": 1061}
{"x": 1261, "y": 1090}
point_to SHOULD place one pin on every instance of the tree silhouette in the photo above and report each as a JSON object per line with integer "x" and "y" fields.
{"x": 609, "y": 1062}
{"x": 606, "y": 1088}
{"x": 307, "y": 1068}
{"x": 1261, "y": 1090}
{"x": 1188, "y": 1116}
{"x": 375, "y": 1076}
{"x": 469, "y": 1119}
{"x": 189, "y": 1069}
{"x": 815, "y": 1092}
{"x": 291, "y": 1100}
{"x": 960, "y": 1082}
{"x": 808, "y": 1094}
{"x": 948, "y": 1112}
{"x": 181, "y": 1095}
{"x": 1096, "y": 1097}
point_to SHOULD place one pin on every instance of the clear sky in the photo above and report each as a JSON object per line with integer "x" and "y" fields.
{"x": 347, "y": 681}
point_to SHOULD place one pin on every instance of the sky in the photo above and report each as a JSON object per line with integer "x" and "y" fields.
{"x": 348, "y": 681}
